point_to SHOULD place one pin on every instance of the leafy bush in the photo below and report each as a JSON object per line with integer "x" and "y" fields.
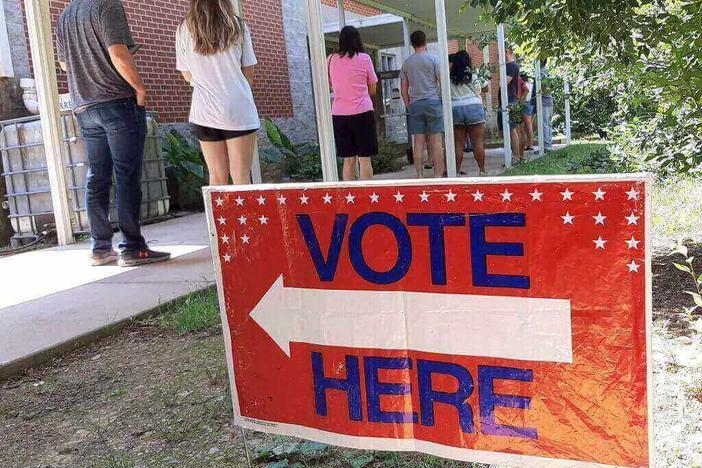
{"x": 188, "y": 165}
{"x": 297, "y": 161}
{"x": 391, "y": 157}
{"x": 302, "y": 162}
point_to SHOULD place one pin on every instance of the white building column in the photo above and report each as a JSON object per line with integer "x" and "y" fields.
{"x": 566, "y": 90}
{"x": 42, "y": 47}
{"x": 320, "y": 85}
{"x": 539, "y": 106}
{"x": 342, "y": 14}
{"x": 442, "y": 32}
{"x": 503, "y": 95}
{"x": 407, "y": 47}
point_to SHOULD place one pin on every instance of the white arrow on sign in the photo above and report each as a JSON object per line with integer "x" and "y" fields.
{"x": 528, "y": 329}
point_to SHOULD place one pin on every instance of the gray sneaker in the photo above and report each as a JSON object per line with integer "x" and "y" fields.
{"x": 103, "y": 257}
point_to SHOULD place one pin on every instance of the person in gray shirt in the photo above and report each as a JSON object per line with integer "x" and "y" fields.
{"x": 95, "y": 48}
{"x": 421, "y": 93}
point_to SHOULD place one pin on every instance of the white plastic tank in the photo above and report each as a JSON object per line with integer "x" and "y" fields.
{"x": 28, "y": 189}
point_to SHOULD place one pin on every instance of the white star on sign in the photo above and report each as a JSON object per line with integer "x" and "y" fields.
{"x": 478, "y": 196}
{"x": 568, "y": 218}
{"x": 600, "y": 194}
{"x": 351, "y": 199}
{"x": 282, "y": 200}
{"x": 327, "y": 199}
{"x": 633, "y": 267}
{"x": 261, "y": 200}
{"x": 263, "y": 220}
{"x": 374, "y": 197}
{"x": 600, "y": 243}
{"x": 424, "y": 197}
{"x": 304, "y": 200}
{"x": 242, "y": 219}
{"x": 567, "y": 195}
{"x": 219, "y": 201}
{"x": 633, "y": 243}
{"x": 506, "y": 196}
{"x": 227, "y": 258}
{"x": 239, "y": 201}
{"x": 245, "y": 239}
{"x": 599, "y": 219}
{"x": 633, "y": 219}
{"x": 633, "y": 194}
{"x": 222, "y": 221}
{"x": 399, "y": 197}
{"x": 225, "y": 239}
{"x": 450, "y": 197}
{"x": 536, "y": 195}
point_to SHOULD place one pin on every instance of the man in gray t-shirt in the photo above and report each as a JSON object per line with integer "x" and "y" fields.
{"x": 95, "y": 48}
{"x": 421, "y": 93}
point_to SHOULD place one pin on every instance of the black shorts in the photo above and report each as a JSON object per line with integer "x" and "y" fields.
{"x": 355, "y": 135}
{"x": 214, "y": 134}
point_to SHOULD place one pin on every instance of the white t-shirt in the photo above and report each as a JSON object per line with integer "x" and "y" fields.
{"x": 222, "y": 98}
{"x": 466, "y": 94}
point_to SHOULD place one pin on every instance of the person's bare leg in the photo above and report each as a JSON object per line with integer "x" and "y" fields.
{"x": 476, "y": 137}
{"x": 418, "y": 150}
{"x": 529, "y": 127}
{"x": 350, "y": 168}
{"x": 436, "y": 151}
{"x": 217, "y": 160}
{"x": 459, "y": 141}
{"x": 366, "y": 168}
{"x": 241, "y": 152}
{"x": 517, "y": 148}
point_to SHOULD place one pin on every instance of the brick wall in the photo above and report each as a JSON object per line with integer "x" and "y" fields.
{"x": 153, "y": 24}
{"x": 355, "y": 7}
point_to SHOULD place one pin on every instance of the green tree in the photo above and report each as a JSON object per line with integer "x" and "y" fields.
{"x": 648, "y": 54}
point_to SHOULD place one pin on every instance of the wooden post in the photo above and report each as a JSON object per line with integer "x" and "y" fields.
{"x": 256, "y": 176}
{"x": 42, "y": 47}
{"x": 320, "y": 85}
{"x": 503, "y": 95}
{"x": 442, "y": 32}
{"x": 539, "y": 106}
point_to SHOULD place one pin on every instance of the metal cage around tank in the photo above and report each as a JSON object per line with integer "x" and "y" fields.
{"x": 28, "y": 188}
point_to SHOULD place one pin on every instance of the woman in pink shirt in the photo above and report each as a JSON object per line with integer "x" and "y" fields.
{"x": 353, "y": 82}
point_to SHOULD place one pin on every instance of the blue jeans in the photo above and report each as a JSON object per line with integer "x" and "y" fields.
{"x": 548, "y": 127}
{"x": 114, "y": 133}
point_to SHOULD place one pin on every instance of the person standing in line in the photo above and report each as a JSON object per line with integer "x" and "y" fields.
{"x": 468, "y": 110}
{"x": 95, "y": 47}
{"x": 215, "y": 54}
{"x": 547, "y": 104}
{"x": 420, "y": 90}
{"x": 353, "y": 81}
{"x": 512, "y": 69}
{"x": 525, "y": 97}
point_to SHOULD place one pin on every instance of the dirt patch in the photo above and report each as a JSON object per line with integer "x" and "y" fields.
{"x": 150, "y": 397}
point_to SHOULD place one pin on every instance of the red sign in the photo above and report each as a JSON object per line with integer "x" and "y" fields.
{"x": 500, "y": 320}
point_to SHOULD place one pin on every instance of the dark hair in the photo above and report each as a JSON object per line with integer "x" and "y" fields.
{"x": 418, "y": 39}
{"x": 544, "y": 62}
{"x": 350, "y": 42}
{"x": 461, "y": 72}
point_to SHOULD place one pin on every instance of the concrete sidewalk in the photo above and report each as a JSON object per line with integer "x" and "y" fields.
{"x": 52, "y": 298}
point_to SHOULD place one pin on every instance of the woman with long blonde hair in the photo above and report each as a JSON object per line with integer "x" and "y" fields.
{"x": 215, "y": 55}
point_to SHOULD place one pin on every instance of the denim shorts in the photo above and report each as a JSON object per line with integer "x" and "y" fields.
{"x": 467, "y": 116}
{"x": 528, "y": 110}
{"x": 426, "y": 116}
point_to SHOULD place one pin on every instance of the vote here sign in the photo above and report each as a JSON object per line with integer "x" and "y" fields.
{"x": 499, "y": 320}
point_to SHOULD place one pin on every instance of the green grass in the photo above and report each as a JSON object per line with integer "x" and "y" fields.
{"x": 677, "y": 211}
{"x": 197, "y": 312}
{"x": 556, "y": 162}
